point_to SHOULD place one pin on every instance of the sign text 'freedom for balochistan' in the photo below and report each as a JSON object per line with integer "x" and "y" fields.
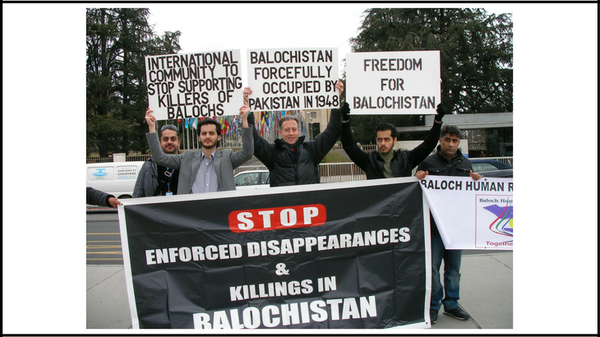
{"x": 195, "y": 85}
{"x": 343, "y": 255}
{"x": 399, "y": 82}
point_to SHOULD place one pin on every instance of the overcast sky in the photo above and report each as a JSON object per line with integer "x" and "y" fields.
{"x": 210, "y": 27}
{"x": 207, "y": 27}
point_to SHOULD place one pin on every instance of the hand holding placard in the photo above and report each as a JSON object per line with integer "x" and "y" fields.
{"x": 441, "y": 111}
{"x": 244, "y": 111}
{"x": 340, "y": 86}
{"x": 151, "y": 120}
{"x": 247, "y": 92}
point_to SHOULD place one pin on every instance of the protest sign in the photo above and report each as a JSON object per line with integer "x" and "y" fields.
{"x": 338, "y": 255}
{"x": 471, "y": 214}
{"x": 406, "y": 82}
{"x": 293, "y": 79}
{"x": 194, "y": 85}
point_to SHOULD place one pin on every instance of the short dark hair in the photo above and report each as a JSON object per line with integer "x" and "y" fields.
{"x": 289, "y": 118}
{"x": 168, "y": 127}
{"x": 206, "y": 121}
{"x": 450, "y": 129}
{"x": 385, "y": 127}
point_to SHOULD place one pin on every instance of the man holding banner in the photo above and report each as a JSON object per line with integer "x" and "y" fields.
{"x": 97, "y": 197}
{"x": 386, "y": 162}
{"x": 208, "y": 170}
{"x": 447, "y": 161}
{"x": 291, "y": 160}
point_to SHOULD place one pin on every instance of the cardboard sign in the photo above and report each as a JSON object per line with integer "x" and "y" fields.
{"x": 293, "y": 79}
{"x": 404, "y": 83}
{"x": 195, "y": 85}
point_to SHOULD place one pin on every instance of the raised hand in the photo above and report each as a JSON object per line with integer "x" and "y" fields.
{"x": 151, "y": 120}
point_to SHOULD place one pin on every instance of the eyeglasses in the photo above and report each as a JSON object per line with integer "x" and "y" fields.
{"x": 169, "y": 127}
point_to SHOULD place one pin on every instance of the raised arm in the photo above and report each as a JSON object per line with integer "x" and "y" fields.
{"x": 262, "y": 148}
{"x": 418, "y": 154}
{"x": 151, "y": 120}
{"x": 327, "y": 139}
{"x": 240, "y": 157}
{"x": 358, "y": 156}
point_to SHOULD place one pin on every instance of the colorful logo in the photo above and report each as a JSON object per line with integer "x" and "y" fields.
{"x": 503, "y": 224}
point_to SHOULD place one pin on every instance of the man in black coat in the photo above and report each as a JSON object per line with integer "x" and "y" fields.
{"x": 387, "y": 162}
{"x": 290, "y": 159}
{"x": 447, "y": 161}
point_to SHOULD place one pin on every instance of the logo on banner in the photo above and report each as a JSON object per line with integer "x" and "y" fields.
{"x": 277, "y": 218}
{"x": 498, "y": 216}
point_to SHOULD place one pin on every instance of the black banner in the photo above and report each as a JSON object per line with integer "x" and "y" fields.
{"x": 350, "y": 255}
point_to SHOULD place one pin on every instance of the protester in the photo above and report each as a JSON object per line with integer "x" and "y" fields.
{"x": 447, "y": 161}
{"x": 387, "y": 162}
{"x": 156, "y": 179}
{"x": 96, "y": 197}
{"x": 290, "y": 159}
{"x": 207, "y": 170}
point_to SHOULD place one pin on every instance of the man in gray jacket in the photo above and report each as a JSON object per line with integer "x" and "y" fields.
{"x": 208, "y": 170}
{"x": 156, "y": 179}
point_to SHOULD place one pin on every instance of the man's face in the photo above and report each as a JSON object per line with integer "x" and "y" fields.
{"x": 169, "y": 142}
{"x": 208, "y": 136}
{"x": 385, "y": 142}
{"x": 289, "y": 132}
{"x": 449, "y": 145}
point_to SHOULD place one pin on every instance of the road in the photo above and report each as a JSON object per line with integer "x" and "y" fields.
{"x": 103, "y": 242}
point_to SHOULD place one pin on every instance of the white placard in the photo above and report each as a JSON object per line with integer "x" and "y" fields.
{"x": 293, "y": 79}
{"x": 471, "y": 214}
{"x": 205, "y": 84}
{"x": 399, "y": 82}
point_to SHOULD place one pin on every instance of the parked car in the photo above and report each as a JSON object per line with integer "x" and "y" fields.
{"x": 253, "y": 179}
{"x": 116, "y": 178}
{"x": 491, "y": 168}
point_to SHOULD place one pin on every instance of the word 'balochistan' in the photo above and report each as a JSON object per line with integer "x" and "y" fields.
{"x": 292, "y": 56}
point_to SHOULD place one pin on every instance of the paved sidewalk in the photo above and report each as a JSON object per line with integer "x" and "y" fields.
{"x": 486, "y": 294}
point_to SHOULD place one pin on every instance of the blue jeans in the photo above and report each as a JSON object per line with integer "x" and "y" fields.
{"x": 451, "y": 289}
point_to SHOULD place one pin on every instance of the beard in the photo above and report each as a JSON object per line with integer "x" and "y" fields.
{"x": 173, "y": 151}
{"x": 210, "y": 145}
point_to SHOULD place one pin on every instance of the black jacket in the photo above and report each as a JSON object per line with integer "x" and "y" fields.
{"x": 401, "y": 164}
{"x": 97, "y": 197}
{"x": 302, "y": 167}
{"x": 438, "y": 165}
